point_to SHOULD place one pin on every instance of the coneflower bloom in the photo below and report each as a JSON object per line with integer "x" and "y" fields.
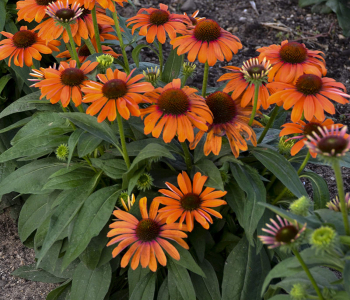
{"x": 104, "y": 32}
{"x": 208, "y": 41}
{"x": 309, "y": 96}
{"x": 155, "y": 22}
{"x": 176, "y": 110}
{"x": 193, "y": 18}
{"x": 230, "y": 119}
{"x": 62, "y": 14}
{"x": 39, "y": 74}
{"x": 302, "y": 130}
{"x": 329, "y": 143}
{"x": 89, "y": 4}
{"x": 290, "y": 60}
{"x": 242, "y": 82}
{"x": 283, "y": 233}
{"x": 117, "y": 91}
{"x": 146, "y": 237}
{"x": 84, "y": 52}
{"x": 29, "y": 10}
{"x": 65, "y": 83}
{"x": 335, "y": 203}
{"x": 25, "y": 45}
{"x": 189, "y": 202}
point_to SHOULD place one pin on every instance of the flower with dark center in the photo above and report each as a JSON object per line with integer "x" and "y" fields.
{"x": 335, "y": 204}
{"x": 309, "y": 96}
{"x": 303, "y": 129}
{"x": 329, "y": 143}
{"x": 230, "y": 120}
{"x": 146, "y": 237}
{"x": 189, "y": 202}
{"x": 177, "y": 110}
{"x": 193, "y": 18}
{"x": 290, "y": 60}
{"x": 155, "y": 22}
{"x": 30, "y": 10}
{"x": 152, "y": 75}
{"x": 117, "y": 92}
{"x": 242, "y": 82}
{"x": 25, "y": 45}
{"x": 283, "y": 233}
{"x": 208, "y": 41}
{"x": 65, "y": 83}
{"x": 39, "y": 74}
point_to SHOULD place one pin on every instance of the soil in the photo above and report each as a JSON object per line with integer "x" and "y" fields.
{"x": 318, "y": 32}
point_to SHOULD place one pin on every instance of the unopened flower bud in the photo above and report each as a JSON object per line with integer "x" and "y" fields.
{"x": 324, "y": 239}
{"x": 285, "y": 145}
{"x": 104, "y": 61}
{"x": 301, "y": 206}
{"x": 188, "y": 68}
{"x": 298, "y": 292}
{"x": 144, "y": 182}
{"x": 152, "y": 75}
{"x": 62, "y": 152}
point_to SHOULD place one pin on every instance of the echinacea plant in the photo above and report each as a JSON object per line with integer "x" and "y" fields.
{"x": 138, "y": 186}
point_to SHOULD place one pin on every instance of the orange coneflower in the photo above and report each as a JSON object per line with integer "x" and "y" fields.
{"x": 25, "y": 45}
{"x": 29, "y": 10}
{"x": 103, "y": 31}
{"x": 89, "y": 4}
{"x": 155, "y": 22}
{"x": 147, "y": 237}
{"x": 177, "y": 110}
{"x": 308, "y": 95}
{"x": 243, "y": 80}
{"x": 65, "y": 83}
{"x": 39, "y": 74}
{"x": 230, "y": 119}
{"x": 84, "y": 52}
{"x": 189, "y": 202}
{"x": 117, "y": 91}
{"x": 207, "y": 40}
{"x": 193, "y": 18}
{"x": 291, "y": 60}
{"x": 303, "y": 129}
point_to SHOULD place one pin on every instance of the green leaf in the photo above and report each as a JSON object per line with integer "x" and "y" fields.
{"x": 90, "y": 124}
{"x": 163, "y": 293}
{"x": 93, "y": 216}
{"x": 303, "y": 3}
{"x": 236, "y": 199}
{"x": 65, "y": 213}
{"x": 72, "y": 143}
{"x": 249, "y": 180}
{"x": 341, "y": 295}
{"x": 33, "y": 274}
{"x": 91, "y": 284}
{"x": 206, "y": 288}
{"x": 4, "y": 79}
{"x": 207, "y": 167}
{"x": 145, "y": 288}
{"x": 2, "y": 14}
{"x": 179, "y": 277}
{"x": 136, "y": 53}
{"x": 55, "y": 294}
{"x": 172, "y": 66}
{"x": 320, "y": 188}
{"x": 20, "y": 123}
{"x": 244, "y": 272}
{"x": 30, "y": 178}
{"x": 87, "y": 143}
{"x": 114, "y": 168}
{"x": 342, "y": 9}
{"x": 135, "y": 276}
{"x": 281, "y": 297}
{"x": 282, "y": 169}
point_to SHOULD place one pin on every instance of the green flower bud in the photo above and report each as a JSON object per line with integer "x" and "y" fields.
{"x": 225, "y": 176}
{"x": 151, "y": 75}
{"x": 105, "y": 61}
{"x": 188, "y": 68}
{"x": 298, "y": 292}
{"x": 144, "y": 182}
{"x": 62, "y": 152}
{"x": 264, "y": 119}
{"x": 285, "y": 146}
{"x": 301, "y": 206}
{"x": 324, "y": 239}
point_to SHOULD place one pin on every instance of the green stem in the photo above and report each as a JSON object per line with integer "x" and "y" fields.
{"x": 122, "y": 138}
{"x": 161, "y": 58}
{"x": 205, "y": 79}
{"x": 269, "y": 123}
{"x": 340, "y": 187}
{"x": 120, "y": 37}
{"x": 255, "y": 104}
{"x": 74, "y": 53}
{"x": 87, "y": 159}
{"x": 184, "y": 79}
{"x": 90, "y": 46}
{"x": 308, "y": 273}
{"x": 81, "y": 109}
{"x": 188, "y": 159}
{"x": 97, "y": 32}
{"x": 301, "y": 168}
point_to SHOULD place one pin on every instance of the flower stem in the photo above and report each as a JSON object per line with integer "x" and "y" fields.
{"x": 74, "y": 52}
{"x": 81, "y": 109}
{"x": 184, "y": 80}
{"x": 188, "y": 159}
{"x": 97, "y": 32}
{"x": 205, "y": 79}
{"x": 120, "y": 37}
{"x": 255, "y": 104}
{"x": 122, "y": 138}
{"x": 340, "y": 186}
{"x": 301, "y": 168}
{"x": 160, "y": 58}
{"x": 269, "y": 123}
{"x": 308, "y": 273}
{"x": 90, "y": 46}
